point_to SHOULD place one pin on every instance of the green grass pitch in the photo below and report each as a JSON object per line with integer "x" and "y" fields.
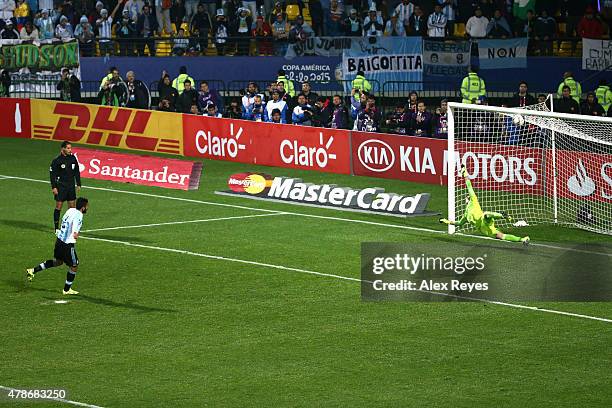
{"x": 155, "y": 328}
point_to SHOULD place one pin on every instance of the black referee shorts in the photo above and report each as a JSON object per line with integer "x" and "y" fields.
{"x": 66, "y": 253}
{"x": 65, "y": 193}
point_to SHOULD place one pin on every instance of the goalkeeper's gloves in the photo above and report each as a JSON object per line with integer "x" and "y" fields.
{"x": 444, "y": 221}
{"x": 506, "y": 216}
{"x": 464, "y": 171}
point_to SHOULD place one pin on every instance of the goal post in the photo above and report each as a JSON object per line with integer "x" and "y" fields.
{"x": 541, "y": 167}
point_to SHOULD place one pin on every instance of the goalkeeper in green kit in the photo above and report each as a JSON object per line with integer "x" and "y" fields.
{"x": 484, "y": 221}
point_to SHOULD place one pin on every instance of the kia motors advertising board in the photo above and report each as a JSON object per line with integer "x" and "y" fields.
{"x": 130, "y": 168}
{"x": 292, "y": 190}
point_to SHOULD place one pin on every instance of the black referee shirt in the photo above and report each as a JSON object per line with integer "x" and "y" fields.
{"x": 64, "y": 171}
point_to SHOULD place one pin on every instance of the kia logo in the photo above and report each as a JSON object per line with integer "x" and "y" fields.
{"x": 376, "y": 155}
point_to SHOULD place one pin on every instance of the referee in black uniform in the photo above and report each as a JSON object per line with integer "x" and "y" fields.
{"x": 64, "y": 172}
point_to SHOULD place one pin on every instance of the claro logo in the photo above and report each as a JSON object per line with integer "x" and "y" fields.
{"x": 218, "y": 146}
{"x": 292, "y": 152}
{"x": 376, "y": 155}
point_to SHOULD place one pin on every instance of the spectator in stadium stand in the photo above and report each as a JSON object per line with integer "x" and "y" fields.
{"x": 275, "y": 117}
{"x": 186, "y": 98}
{"x": 422, "y": 121}
{"x": 590, "y": 26}
{"x": 104, "y": 31}
{"x": 566, "y": 103}
{"x": 84, "y": 33}
{"x": 441, "y": 120}
{"x": 191, "y": 8}
{"x": 311, "y": 97}
{"x": 333, "y": 20}
{"x": 138, "y": 96}
{"x": 262, "y": 32}
{"x": 22, "y": 12}
{"x": 164, "y": 105}
{"x": 572, "y": 11}
{"x": 604, "y": 94}
{"x": 300, "y": 31}
{"x": 316, "y": 16}
{"x": 545, "y": 30}
{"x": 146, "y": 27}
{"x": 167, "y": 91}
{"x": 200, "y": 26}
{"x": 591, "y": 107}
{"x": 575, "y": 87}
{"x": 95, "y": 14}
{"x": 212, "y": 111}
{"x": 162, "y": 13}
{"x": 542, "y": 98}
{"x": 222, "y": 32}
{"x": 256, "y": 111}
{"x": 472, "y": 86}
{"x": 436, "y": 23}
{"x": 63, "y": 30}
{"x": 361, "y": 83}
{"x": 275, "y": 11}
{"x": 476, "y": 26}
{"x": 302, "y": 113}
{"x": 368, "y": 118}
{"x": 134, "y": 8}
{"x": 107, "y": 95}
{"x": 449, "y": 8}
{"x": 180, "y": 79}
{"x": 277, "y": 104}
{"x": 487, "y": 7}
{"x": 177, "y": 12}
{"x": 206, "y": 96}
{"x": 9, "y": 32}
{"x": 404, "y": 10}
{"x": 322, "y": 112}
{"x": 413, "y": 99}
{"x": 125, "y": 31}
{"x": 287, "y": 83}
{"x": 498, "y": 26}
{"x": 233, "y": 111}
{"x": 241, "y": 29}
{"x": 399, "y": 121}
{"x": 7, "y": 9}
{"x": 394, "y": 28}
{"x": 339, "y": 117}
{"x": 194, "y": 109}
{"x": 280, "y": 33}
{"x": 522, "y": 97}
{"x": 352, "y": 24}
{"x": 29, "y": 32}
{"x": 45, "y": 25}
{"x": 417, "y": 23}
{"x": 69, "y": 87}
{"x": 5, "y": 83}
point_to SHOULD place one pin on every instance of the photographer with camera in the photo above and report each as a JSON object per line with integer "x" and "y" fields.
{"x": 368, "y": 119}
{"x": 399, "y": 121}
{"x": 233, "y": 111}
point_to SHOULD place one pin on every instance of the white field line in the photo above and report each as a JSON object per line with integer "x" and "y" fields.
{"x": 183, "y": 222}
{"x": 324, "y": 217}
{"x": 65, "y": 401}
{"x": 329, "y": 275}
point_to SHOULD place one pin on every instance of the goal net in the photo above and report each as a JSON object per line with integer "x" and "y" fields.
{"x": 538, "y": 166}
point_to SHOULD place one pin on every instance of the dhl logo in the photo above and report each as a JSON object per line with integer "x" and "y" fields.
{"x": 115, "y": 127}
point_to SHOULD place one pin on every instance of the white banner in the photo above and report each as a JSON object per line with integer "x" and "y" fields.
{"x": 596, "y": 55}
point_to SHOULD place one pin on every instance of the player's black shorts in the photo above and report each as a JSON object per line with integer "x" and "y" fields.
{"x": 65, "y": 252}
{"x": 65, "y": 193}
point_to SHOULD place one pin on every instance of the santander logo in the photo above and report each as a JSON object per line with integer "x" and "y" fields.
{"x": 376, "y": 155}
{"x": 580, "y": 183}
{"x": 218, "y": 146}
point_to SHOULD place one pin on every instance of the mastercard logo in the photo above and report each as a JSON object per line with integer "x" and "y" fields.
{"x": 251, "y": 183}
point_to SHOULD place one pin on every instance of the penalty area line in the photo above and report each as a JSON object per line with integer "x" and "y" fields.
{"x": 183, "y": 222}
{"x": 347, "y": 278}
{"x": 65, "y": 401}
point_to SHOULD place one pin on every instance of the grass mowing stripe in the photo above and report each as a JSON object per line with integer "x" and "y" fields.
{"x": 183, "y": 222}
{"x": 329, "y": 275}
{"x": 323, "y": 217}
{"x": 65, "y": 401}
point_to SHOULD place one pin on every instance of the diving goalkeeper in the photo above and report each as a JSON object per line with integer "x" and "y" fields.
{"x": 484, "y": 221}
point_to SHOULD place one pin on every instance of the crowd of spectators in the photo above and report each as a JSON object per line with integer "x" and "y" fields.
{"x": 126, "y": 27}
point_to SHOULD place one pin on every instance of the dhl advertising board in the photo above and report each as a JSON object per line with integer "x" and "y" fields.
{"x": 125, "y": 128}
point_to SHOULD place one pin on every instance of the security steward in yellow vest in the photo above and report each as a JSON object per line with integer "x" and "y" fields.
{"x": 361, "y": 83}
{"x": 575, "y": 87}
{"x": 472, "y": 87}
{"x": 179, "y": 81}
{"x": 604, "y": 94}
{"x": 288, "y": 84}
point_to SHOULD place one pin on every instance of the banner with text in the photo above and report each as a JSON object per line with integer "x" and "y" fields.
{"x": 446, "y": 58}
{"x": 384, "y": 59}
{"x": 131, "y": 168}
{"x": 596, "y": 55}
{"x": 509, "y": 53}
{"x": 34, "y": 65}
{"x": 125, "y": 128}
{"x": 321, "y": 46}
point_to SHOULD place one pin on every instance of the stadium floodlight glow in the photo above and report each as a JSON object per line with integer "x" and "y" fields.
{"x": 541, "y": 167}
